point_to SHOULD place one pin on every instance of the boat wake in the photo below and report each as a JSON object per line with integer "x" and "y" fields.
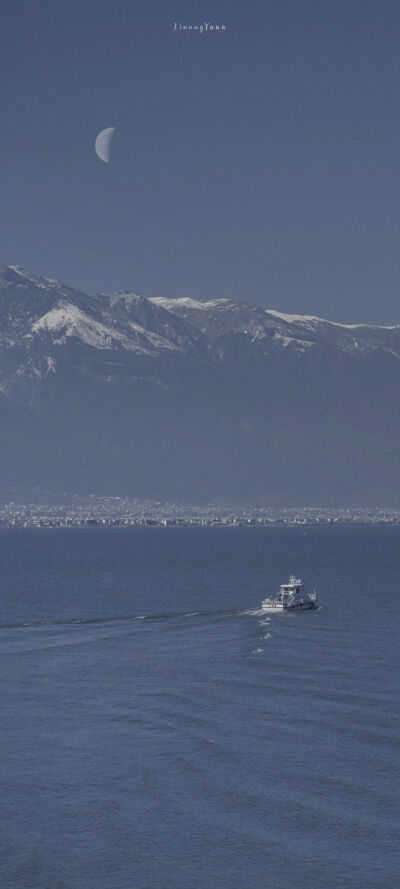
{"x": 168, "y": 615}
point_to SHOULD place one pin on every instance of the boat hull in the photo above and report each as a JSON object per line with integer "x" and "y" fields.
{"x": 276, "y": 609}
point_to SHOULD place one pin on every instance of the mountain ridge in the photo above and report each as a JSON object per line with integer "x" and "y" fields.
{"x": 119, "y": 393}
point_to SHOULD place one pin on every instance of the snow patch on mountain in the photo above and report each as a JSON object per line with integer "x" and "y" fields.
{"x": 301, "y": 319}
{"x": 286, "y": 341}
{"x": 186, "y": 302}
{"x": 67, "y": 320}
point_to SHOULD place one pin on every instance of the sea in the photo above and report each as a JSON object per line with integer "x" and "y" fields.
{"x": 158, "y": 731}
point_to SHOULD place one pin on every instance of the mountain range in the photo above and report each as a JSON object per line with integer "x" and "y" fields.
{"x": 215, "y": 400}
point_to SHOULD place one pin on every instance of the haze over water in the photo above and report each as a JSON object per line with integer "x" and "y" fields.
{"x": 158, "y": 732}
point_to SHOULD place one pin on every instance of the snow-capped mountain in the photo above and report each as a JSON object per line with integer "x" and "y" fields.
{"x": 185, "y": 398}
{"x": 218, "y": 317}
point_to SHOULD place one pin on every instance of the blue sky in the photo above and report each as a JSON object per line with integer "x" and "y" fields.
{"x": 258, "y": 163}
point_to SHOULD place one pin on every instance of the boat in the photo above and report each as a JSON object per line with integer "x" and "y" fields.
{"x": 291, "y": 597}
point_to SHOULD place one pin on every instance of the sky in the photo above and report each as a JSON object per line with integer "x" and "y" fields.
{"x": 259, "y": 163}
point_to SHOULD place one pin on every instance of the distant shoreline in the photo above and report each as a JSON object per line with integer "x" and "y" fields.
{"x": 115, "y": 525}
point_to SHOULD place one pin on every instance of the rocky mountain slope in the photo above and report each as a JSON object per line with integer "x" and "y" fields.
{"x": 116, "y": 393}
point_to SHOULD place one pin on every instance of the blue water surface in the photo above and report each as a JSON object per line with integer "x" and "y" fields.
{"x": 158, "y": 732}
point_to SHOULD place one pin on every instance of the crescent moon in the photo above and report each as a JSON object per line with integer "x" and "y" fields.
{"x": 102, "y": 144}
